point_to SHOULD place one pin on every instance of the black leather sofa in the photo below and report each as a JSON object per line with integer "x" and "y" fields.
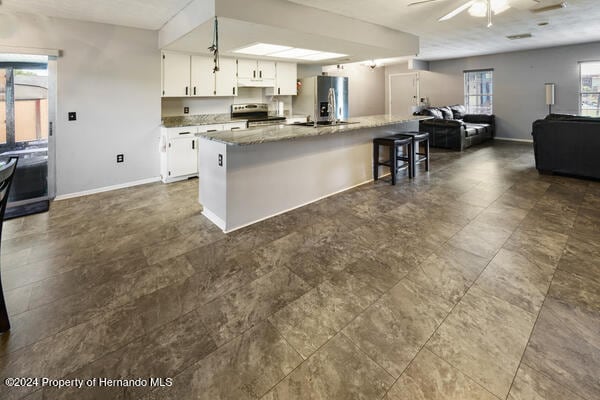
{"x": 567, "y": 144}
{"x": 452, "y": 128}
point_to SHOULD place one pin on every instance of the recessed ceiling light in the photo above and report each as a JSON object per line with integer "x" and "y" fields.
{"x": 278, "y": 51}
{"x": 261, "y": 49}
{"x": 322, "y": 56}
{"x": 293, "y": 53}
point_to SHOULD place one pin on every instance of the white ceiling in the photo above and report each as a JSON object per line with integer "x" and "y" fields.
{"x": 145, "y": 14}
{"x": 462, "y": 36}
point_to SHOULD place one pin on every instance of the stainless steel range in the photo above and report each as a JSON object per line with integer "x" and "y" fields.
{"x": 257, "y": 114}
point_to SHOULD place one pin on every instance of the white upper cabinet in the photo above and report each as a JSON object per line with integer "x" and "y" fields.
{"x": 175, "y": 74}
{"x": 203, "y": 79}
{"x": 185, "y": 75}
{"x": 226, "y": 78}
{"x": 266, "y": 70}
{"x": 247, "y": 69}
{"x": 285, "y": 80}
{"x": 255, "y": 73}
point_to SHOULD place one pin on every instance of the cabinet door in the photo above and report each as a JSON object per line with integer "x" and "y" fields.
{"x": 286, "y": 79}
{"x": 175, "y": 75}
{"x": 226, "y": 79}
{"x": 266, "y": 70}
{"x": 246, "y": 69}
{"x": 182, "y": 158}
{"x": 203, "y": 79}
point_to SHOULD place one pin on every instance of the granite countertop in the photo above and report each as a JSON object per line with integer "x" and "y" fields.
{"x": 274, "y": 133}
{"x": 197, "y": 120}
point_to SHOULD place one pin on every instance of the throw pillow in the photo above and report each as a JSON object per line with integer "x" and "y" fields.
{"x": 433, "y": 112}
{"x": 458, "y": 111}
{"x": 446, "y": 112}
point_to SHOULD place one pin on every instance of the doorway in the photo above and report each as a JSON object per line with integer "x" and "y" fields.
{"x": 404, "y": 93}
{"x": 25, "y": 127}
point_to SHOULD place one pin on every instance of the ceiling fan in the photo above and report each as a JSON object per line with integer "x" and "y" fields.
{"x": 482, "y": 8}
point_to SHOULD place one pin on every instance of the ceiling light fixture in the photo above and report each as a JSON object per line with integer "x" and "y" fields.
{"x": 457, "y": 11}
{"x": 480, "y": 7}
{"x": 278, "y": 51}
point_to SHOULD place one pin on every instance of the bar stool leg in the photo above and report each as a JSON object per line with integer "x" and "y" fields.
{"x": 375, "y": 161}
{"x": 393, "y": 163}
{"x": 411, "y": 160}
{"x": 427, "y": 155}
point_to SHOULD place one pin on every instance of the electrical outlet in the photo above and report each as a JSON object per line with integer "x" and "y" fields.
{"x": 186, "y": 110}
{"x": 220, "y": 160}
{"x": 72, "y": 116}
{"x": 120, "y": 158}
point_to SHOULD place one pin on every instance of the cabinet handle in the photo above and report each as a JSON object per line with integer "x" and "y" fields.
{"x": 254, "y": 74}
{"x": 186, "y": 90}
{"x": 211, "y": 130}
{"x": 278, "y": 90}
{"x": 260, "y": 74}
{"x": 193, "y": 144}
{"x": 194, "y": 90}
{"x": 184, "y": 133}
{"x": 234, "y": 91}
{"x": 235, "y": 127}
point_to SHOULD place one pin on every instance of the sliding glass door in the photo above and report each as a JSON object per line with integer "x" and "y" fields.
{"x": 24, "y": 129}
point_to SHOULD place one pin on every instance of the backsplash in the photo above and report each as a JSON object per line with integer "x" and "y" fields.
{"x": 173, "y": 106}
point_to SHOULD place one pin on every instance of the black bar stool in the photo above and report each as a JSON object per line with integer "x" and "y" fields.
{"x": 400, "y": 149}
{"x": 417, "y": 138}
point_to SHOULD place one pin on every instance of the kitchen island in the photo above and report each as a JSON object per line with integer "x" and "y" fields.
{"x": 246, "y": 176}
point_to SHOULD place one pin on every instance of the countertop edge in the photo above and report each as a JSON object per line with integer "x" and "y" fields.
{"x": 341, "y": 129}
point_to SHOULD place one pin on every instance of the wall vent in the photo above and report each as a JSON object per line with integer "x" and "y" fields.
{"x": 519, "y": 36}
{"x": 550, "y": 8}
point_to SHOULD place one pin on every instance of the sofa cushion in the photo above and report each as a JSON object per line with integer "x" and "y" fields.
{"x": 458, "y": 111}
{"x": 446, "y": 112}
{"x": 479, "y": 128}
{"x": 470, "y": 131}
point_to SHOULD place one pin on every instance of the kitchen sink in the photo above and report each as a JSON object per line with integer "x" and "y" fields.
{"x": 323, "y": 123}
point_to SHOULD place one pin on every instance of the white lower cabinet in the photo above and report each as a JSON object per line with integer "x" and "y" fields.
{"x": 179, "y": 149}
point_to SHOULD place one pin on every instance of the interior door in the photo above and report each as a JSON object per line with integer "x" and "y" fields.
{"x": 182, "y": 159}
{"x": 403, "y": 93}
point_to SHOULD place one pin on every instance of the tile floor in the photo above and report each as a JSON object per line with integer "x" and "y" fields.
{"x": 480, "y": 280}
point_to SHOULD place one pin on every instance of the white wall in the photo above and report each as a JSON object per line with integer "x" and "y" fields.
{"x": 366, "y": 87}
{"x": 519, "y": 79}
{"x": 110, "y": 76}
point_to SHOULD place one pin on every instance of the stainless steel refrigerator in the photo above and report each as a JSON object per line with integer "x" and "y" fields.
{"x": 323, "y": 98}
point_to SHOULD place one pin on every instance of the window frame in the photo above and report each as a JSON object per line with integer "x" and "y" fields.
{"x": 582, "y": 93}
{"x": 466, "y": 94}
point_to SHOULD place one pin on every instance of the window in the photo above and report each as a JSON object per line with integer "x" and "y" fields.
{"x": 589, "y": 92}
{"x": 478, "y": 91}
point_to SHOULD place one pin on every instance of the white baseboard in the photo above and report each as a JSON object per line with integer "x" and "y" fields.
{"x": 214, "y": 219}
{"x": 107, "y": 188}
{"x": 221, "y": 224}
{"x": 514, "y": 140}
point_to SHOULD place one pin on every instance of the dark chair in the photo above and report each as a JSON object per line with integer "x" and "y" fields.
{"x": 418, "y": 138}
{"x": 400, "y": 149}
{"x": 7, "y": 172}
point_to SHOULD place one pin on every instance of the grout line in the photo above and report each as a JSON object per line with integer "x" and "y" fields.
{"x": 540, "y": 311}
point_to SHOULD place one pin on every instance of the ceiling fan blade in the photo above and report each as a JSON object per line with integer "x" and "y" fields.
{"x": 416, "y": 3}
{"x": 457, "y": 11}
